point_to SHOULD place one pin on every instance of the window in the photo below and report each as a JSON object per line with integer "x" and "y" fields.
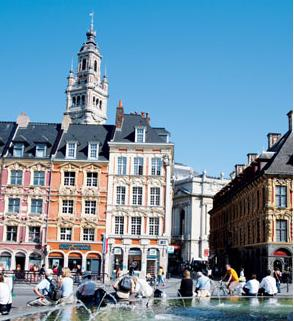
{"x": 78, "y": 100}
{"x": 281, "y": 230}
{"x": 16, "y": 177}
{"x": 69, "y": 178}
{"x": 93, "y": 150}
{"x": 18, "y": 150}
{"x": 73, "y": 101}
{"x": 140, "y": 135}
{"x": 281, "y": 196}
{"x": 71, "y": 150}
{"x": 40, "y": 150}
{"x": 120, "y": 195}
{"x": 84, "y": 62}
{"x": 65, "y": 233}
{"x": 90, "y": 207}
{"x": 156, "y": 164}
{"x": 34, "y": 234}
{"x": 137, "y": 195}
{"x": 121, "y": 165}
{"x": 95, "y": 65}
{"x": 136, "y": 226}
{"x": 119, "y": 225}
{"x": 36, "y": 206}
{"x": 83, "y": 100}
{"x": 88, "y": 234}
{"x": 138, "y": 165}
{"x": 92, "y": 179}
{"x": 154, "y": 226}
{"x": 39, "y": 178}
{"x": 11, "y": 233}
{"x": 67, "y": 206}
{"x": 13, "y": 205}
{"x": 154, "y": 196}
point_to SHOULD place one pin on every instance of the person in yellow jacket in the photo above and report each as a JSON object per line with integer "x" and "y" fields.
{"x": 233, "y": 279}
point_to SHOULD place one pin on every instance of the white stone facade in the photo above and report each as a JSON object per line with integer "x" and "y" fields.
{"x": 152, "y": 241}
{"x": 193, "y": 199}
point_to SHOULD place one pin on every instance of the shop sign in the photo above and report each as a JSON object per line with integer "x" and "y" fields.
{"x": 170, "y": 249}
{"x": 73, "y": 247}
{"x": 117, "y": 251}
{"x": 152, "y": 252}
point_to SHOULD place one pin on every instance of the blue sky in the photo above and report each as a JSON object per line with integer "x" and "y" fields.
{"x": 216, "y": 73}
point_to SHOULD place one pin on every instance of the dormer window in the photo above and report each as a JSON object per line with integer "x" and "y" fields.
{"x": 93, "y": 150}
{"x": 71, "y": 150}
{"x": 40, "y": 150}
{"x": 140, "y": 135}
{"x": 18, "y": 150}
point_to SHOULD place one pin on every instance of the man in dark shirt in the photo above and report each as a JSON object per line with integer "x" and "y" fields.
{"x": 186, "y": 288}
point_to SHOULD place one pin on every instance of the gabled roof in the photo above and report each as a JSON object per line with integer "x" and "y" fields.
{"x": 34, "y": 133}
{"x": 127, "y": 133}
{"x": 83, "y": 134}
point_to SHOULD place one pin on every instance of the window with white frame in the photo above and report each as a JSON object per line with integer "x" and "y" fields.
{"x": 121, "y": 165}
{"x": 137, "y": 195}
{"x": 34, "y": 234}
{"x": 39, "y": 178}
{"x": 18, "y": 150}
{"x": 36, "y": 206}
{"x": 71, "y": 150}
{"x": 156, "y": 164}
{"x": 281, "y": 196}
{"x": 119, "y": 225}
{"x": 154, "y": 226}
{"x": 138, "y": 165}
{"x": 13, "y": 205}
{"x": 120, "y": 195}
{"x": 92, "y": 179}
{"x": 155, "y": 196}
{"x": 281, "y": 231}
{"x": 65, "y": 233}
{"x": 140, "y": 135}
{"x": 41, "y": 150}
{"x": 11, "y": 233}
{"x": 69, "y": 178}
{"x": 90, "y": 207}
{"x": 93, "y": 150}
{"x": 16, "y": 177}
{"x": 136, "y": 224}
{"x": 67, "y": 206}
{"x": 88, "y": 234}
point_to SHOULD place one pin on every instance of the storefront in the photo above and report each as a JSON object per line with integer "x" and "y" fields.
{"x": 5, "y": 260}
{"x": 118, "y": 257}
{"x": 152, "y": 261}
{"x": 135, "y": 259}
{"x": 74, "y": 260}
{"x": 35, "y": 259}
{"x": 94, "y": 263}
{"x": 56, "y": 259}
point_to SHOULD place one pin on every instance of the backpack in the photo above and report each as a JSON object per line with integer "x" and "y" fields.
{"x": 125, "y": 285}
{"x": 54, "y": 292}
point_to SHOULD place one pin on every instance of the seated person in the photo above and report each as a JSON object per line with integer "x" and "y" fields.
{"x": 46, "y": 291}
{"x": 66, "y": 286}
{"x": 86, "y": 291}
{"x": 186, "y": 288}
{"x": 124, "y": 287}
{"x": 252, "y": 286}
{"x": 232, "y": 278}
{"x": 142, "y": 288}
{"x": 5, "y": 297}
{"x": 268, "y": 286}
{"x": 202, "y": 285}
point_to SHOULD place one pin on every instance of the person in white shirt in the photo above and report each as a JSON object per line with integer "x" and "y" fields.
{"x": 268, "y": 285}
{"x": 66, "y": 286}
{"x": 5, "y": 297}
{"x": 86, "y": 291}
{"x": 252, "y": 286}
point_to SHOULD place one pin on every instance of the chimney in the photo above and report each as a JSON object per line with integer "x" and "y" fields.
{"x": 290, "y": 119}
{"x": 272, "y": 138}
{"x": 251, "y": 157}
{"x": 239, "y": 169}
{"x": 119, "y": 115}
{"x": 147, "y": 118}
{"x": 23, "y": 120}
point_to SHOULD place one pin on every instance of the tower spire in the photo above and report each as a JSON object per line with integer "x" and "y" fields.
{"x": 91, "y": 14}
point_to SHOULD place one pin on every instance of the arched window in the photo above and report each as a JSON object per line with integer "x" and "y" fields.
{"x": 100, "y": 104}
{"x": 78, "y": 100}
{"x": 74, "y": 101}
{"x": 95, "y": 65}
{"x": 182, "y": 222}
{"x": 94, "y": 99}
{"x": 83, "y": 100}
{"x": 84, "y": 62}
{"x": 97, "y": 102}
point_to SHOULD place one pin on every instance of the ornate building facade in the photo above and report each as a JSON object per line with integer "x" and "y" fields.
{"x": 193, "y": 197}
{"x": 251, "y": 219}
{"x": 139, "y": 195}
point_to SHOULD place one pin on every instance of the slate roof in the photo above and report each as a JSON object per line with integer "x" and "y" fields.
{"x": 127, "y": 133}
{"x": 34, "y": 133}
{"x": 83, "y": 134}
{"x": 7, "y": 130}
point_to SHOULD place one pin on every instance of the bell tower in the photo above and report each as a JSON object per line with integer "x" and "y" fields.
{"x": 87, "y": 92}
